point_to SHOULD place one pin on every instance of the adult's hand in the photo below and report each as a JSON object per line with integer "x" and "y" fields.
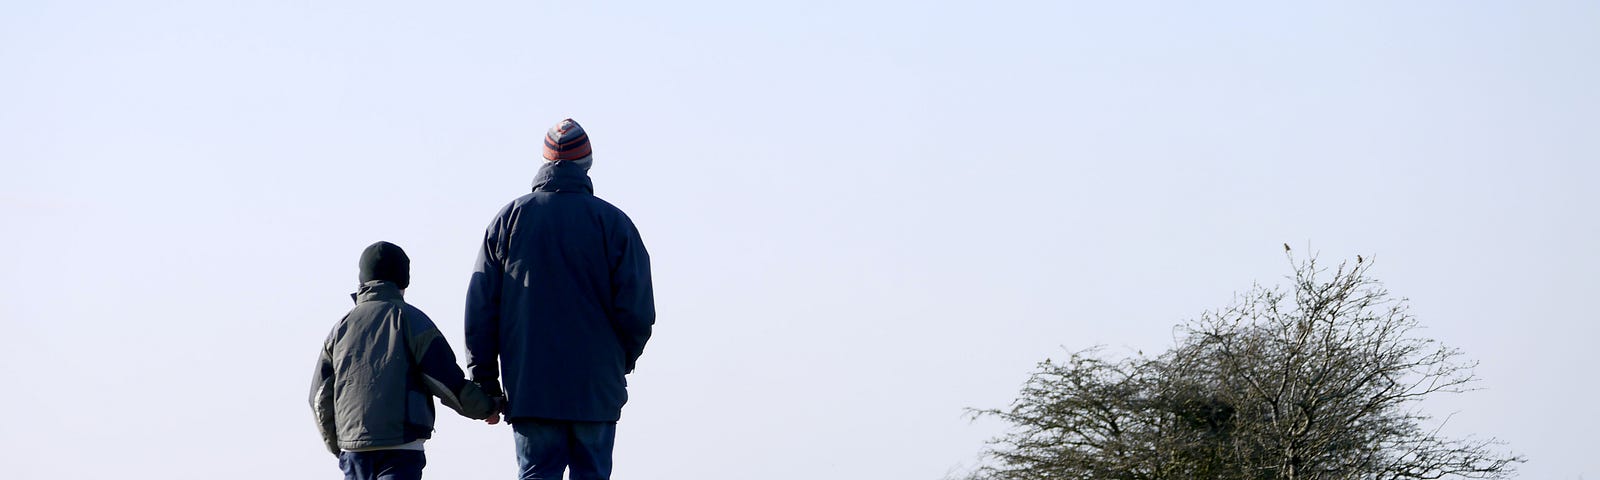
{"x": 499, "y": 407}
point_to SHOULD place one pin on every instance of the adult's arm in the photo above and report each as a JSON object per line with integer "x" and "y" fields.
{"x": 633, "y": 307}
{"x": 483, "y": 311}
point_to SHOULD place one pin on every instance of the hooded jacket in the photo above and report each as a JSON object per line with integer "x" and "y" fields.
{"x": 560, "y": 303}
{"x": 378, "y": 371}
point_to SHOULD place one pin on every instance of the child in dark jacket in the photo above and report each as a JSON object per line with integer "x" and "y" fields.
{"x": 372, "y": 393}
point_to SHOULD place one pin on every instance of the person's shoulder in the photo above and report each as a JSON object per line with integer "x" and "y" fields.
{"x": 617, "y": 221}
{"x": 362, "y": 312}
{"x": 407, "y": 308}
{"x": 517, "y": 203}
{"x": 511, "y": 210}
{"x": 358, "y": 321}
{"x": 607, "y": 207}
{"x": 339, "y": 327}
{"x": 379, "y": 307}
{"x": 524, "y": 199}
{"x": 415, "y": 315}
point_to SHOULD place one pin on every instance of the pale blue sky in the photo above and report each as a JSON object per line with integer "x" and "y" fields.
{"x": 863, "y": 216}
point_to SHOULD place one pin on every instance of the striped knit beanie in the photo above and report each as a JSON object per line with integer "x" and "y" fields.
{"x": 566, "y": 141}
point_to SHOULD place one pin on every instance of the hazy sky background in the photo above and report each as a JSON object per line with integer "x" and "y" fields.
{"x": 864, "y": 216}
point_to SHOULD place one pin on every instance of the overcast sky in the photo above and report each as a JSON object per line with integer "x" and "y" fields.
{"x": 864, "y": 217}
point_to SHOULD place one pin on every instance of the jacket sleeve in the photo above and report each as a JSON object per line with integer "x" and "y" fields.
{"x": 322, "y": 407}
{"x": 483, "y": 311}
{"x": 436, "y": 363}
{"x": 633, "y": 307}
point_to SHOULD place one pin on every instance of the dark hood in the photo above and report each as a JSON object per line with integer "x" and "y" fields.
{"x": 564, "y": 176}
{"x": 377, "y": 290}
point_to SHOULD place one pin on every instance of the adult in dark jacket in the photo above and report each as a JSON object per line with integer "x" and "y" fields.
{"x": 381, "y": 365}
{"x": 559, "y": 308}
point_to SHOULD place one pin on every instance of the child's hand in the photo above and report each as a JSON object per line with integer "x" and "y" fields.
{"x": 499, "y": 407}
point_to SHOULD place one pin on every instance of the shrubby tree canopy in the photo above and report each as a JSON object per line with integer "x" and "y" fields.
{"x": 1316, "y": 381}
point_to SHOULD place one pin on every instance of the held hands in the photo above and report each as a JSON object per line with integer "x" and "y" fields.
{"x": 498, "y": 396}
{"x": 499, "y": 408}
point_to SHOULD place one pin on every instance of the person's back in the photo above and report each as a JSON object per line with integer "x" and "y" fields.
{"x": 377, "y": 372}
{"x": 561, "y": 301}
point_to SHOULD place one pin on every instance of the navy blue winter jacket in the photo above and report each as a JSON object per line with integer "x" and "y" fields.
{"x": 560, "y": 304}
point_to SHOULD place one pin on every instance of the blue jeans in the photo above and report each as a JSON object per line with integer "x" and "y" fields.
{"x": 383, "y": 465}
{"x": 547, "y": 447}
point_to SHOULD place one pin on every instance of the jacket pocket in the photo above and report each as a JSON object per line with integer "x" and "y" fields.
{"x": 419, "y": 412}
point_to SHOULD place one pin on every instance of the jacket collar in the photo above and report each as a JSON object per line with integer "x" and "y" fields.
{"x": 564, "y": 176}
{"x": 377, "y": 290}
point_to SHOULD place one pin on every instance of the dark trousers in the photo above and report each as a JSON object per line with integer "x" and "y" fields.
{"x": 547, "y": 447}
{"x": 383, "y": 465}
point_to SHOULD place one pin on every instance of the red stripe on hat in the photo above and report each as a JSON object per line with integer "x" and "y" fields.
{"x": 567, "y": 152}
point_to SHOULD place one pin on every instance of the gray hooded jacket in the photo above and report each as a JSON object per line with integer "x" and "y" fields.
{"x": 378, "y": 371}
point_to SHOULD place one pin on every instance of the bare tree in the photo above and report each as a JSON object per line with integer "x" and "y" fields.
{"x": 1319, "y": 381}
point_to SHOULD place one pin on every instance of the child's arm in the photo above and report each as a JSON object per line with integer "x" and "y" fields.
{"x": 322, "y": 401}
{"x": 444, "y": 379}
